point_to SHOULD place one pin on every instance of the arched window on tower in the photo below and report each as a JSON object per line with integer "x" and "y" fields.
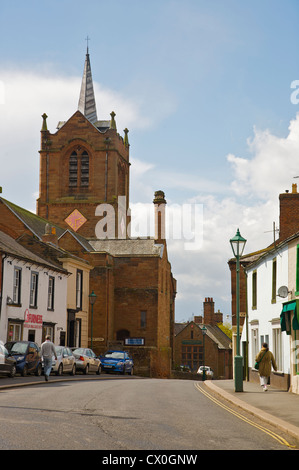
{"x": 79, "y": 169}
{"x": 73, "y": 170}
{"x": 84, "y": 169}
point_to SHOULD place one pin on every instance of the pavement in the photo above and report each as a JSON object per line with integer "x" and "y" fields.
{"x": 276, "y": 407}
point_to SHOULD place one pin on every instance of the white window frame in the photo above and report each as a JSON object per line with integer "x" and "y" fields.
{"x": 51, "y": 290}
{"x": 277, "y": 345}
{"x": 33, "y": 289}
{"x": 254, "y": 342}
{"x": 17, "y": 285}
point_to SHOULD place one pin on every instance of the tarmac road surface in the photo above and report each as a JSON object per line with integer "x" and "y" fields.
{"x": 124, "y": 414}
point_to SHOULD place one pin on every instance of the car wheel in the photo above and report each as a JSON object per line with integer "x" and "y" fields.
{"x": 86, "y": 370}
{"x": 99, "y": 370}
{"x": 73, "y": 372}
{"x": 38, "y": 371}
{"x": 124, "y": 370}
{"x": 60, "y": 370}
{"x": 24, "y": 372}
{"x": 13, "y": 371}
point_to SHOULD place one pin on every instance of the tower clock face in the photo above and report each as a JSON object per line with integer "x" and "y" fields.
{"x": 75, "y": 220}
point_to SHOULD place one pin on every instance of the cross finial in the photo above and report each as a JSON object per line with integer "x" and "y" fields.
{"x": 87, "y": 39}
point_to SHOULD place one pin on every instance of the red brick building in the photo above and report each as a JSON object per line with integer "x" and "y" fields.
{"x": 193, "y": 350}
{"x": 84, "y": 189}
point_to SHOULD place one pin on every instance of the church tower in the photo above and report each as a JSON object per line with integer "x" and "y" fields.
{"x": 84, "y": 171}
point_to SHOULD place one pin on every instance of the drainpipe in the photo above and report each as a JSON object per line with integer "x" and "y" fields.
{"x": 246, "y": 325}
{"x": 2, "y": 272}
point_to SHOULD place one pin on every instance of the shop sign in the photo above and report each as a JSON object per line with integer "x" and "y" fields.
{"x": 32, "y": 320}
{"x": 134, "y": 341}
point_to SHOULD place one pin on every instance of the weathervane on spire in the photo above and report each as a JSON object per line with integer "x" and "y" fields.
{"x": 87, "y": 39}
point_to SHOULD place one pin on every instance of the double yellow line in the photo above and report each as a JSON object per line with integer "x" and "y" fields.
{"x": 275, "y": 436}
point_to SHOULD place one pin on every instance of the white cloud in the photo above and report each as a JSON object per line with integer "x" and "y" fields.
{"x": 252, "y": 206}
{"x": 273, "y": 164}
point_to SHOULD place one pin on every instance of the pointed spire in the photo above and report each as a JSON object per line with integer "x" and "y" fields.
{"x": 87, "y": 103}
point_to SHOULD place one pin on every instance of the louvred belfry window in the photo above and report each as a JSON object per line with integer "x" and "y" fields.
{"x": 79, "y": 169}
{"x": 73, "y": 170}
{"x": 84, "y": 169}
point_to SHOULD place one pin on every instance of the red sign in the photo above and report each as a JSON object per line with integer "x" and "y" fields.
{"x": 32, "y": 320}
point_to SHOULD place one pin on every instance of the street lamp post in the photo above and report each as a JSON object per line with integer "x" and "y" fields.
{"x": 238, "y": 245}
{"x": 204, "y": 331}
{"x": 92, "y": 299}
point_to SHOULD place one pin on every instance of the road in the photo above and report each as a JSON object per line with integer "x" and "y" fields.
{"x": 123, "y": 413}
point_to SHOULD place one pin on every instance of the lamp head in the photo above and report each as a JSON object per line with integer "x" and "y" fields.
{"x": 92, "y": 298}
{"x": 238, "y": 244}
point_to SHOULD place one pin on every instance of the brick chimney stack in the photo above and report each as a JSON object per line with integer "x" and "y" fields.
{"x": 208, "y": 311}
{"x": 289, "y": 213}
{"x": 160, "y": 207}
{"x": 210, "y": 317}
{"x": 50, "y": 235}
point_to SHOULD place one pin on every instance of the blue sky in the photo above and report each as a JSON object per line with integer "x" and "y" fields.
{"x": 204, "y": 88}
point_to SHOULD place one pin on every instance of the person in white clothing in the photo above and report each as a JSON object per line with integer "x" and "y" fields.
{"x": 47, "y": 352}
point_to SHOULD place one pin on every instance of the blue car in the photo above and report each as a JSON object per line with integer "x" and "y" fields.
{"x": 117, "y": 361}
{"x": 27, "y": 355}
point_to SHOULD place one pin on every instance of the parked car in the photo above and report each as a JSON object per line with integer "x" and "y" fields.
{"x": 208, "y": 370}
{"x": 66, "y": 361}
{"x": 86, "y": 360}
{"x": 8, "y": 364}
{"x": 27, "y": 355}
{"x": 117, "y": 361}
{"x": 184, "y": 368}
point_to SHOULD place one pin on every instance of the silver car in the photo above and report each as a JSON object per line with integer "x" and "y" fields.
{"x": 65, "y": 362}
{"x": 86, "y": 360}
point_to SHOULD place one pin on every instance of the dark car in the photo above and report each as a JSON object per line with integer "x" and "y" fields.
{"x": 7, "y": 362}
{"x": 27, "y": 355}
{"x": 117, "y": 361}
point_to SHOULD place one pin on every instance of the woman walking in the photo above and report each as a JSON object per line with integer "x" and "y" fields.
{"x": 265, "y": 360}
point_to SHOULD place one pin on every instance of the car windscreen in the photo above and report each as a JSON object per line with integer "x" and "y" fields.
{"x": 58, "y": 350}
{"x": 79, "y": 351}
{"x": 17, "y": 348}
{"x": 114, "y": 355}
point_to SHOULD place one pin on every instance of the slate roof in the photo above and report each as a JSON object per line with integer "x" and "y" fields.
{"x": 132, "y": 246}
{"x": 11, "y": 247}
{"x": 37, "y": 225}
{"x": 213, "y": 332}
{"x": 116, "y": 247}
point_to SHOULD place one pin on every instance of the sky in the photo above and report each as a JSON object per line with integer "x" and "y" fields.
{"x": 209, "y": 91}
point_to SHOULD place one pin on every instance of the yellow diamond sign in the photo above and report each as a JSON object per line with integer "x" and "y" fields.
{"x": 75, "y": 220}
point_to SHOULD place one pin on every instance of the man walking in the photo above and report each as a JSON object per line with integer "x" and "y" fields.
{"x": 47, "y": 352}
